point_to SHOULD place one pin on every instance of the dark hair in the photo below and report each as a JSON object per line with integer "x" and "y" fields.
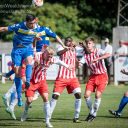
{"x": 30, "y": 17}
{"x": 68, "y": 38}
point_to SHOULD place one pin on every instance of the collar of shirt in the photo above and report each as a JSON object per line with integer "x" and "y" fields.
{"x": 36, "y": 26}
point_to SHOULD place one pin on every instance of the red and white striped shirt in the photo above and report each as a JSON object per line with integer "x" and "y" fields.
{"x": 69, "y": 57}
{"x": 97, "y": 67}
{"x": 39, "y": 71}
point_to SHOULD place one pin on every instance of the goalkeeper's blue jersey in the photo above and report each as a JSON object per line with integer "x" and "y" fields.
{"x": 23, "y": 35}
{"x": 45, "y": 34}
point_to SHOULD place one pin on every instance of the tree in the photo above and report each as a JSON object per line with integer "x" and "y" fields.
{"x": 63, "y": 22}
{"x": 78, "y": 18}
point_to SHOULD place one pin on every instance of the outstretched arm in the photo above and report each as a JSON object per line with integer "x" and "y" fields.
{"x": 62, "y": 51}
{"x": 59, "y": 62}
{"x": 3, "y": 29}
{"x": 60, "y": 41}
{"x": 124, "y": 72}
{"x": 106, "y": 55}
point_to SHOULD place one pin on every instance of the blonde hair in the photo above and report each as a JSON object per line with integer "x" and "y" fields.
{"x": 89, "y": 39}
{"x": 50, "y": 50}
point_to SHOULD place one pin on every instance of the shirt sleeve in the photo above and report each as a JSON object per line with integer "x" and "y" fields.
{"x": 108, "y": 49}
{"x": 59, "y": 48}
{"x": 57, "y": 61}
{"x": 13, "y": 27}
{"x": 101, "y": 52}
{"x": 82, "y": 60}
{"x": 50, "y": 33}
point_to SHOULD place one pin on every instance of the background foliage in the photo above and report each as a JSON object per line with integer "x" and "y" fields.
{"x": 76, "y": 18}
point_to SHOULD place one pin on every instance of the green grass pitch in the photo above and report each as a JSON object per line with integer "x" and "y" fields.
{"x": 64, "y": 111}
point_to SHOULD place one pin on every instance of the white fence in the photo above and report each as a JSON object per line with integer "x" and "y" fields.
{"x": 121, "y": 62}
{"x": 5, "y": 58}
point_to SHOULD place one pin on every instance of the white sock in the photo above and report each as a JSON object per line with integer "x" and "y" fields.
{"x": 52, "y": 105}
{"x": 77, "y": 108}
{"x": 10, "y": 91}
{"x": 14, "y": 102}
{"x": 26, "y": 107}
{"x": 96, "y": 106}
{"x": 47, "y": 111}
{"x": 89, "y": 104}
{"x": 36, "y": 95}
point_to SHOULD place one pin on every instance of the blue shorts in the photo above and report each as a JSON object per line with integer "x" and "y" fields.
{"x": 19, "y": 54}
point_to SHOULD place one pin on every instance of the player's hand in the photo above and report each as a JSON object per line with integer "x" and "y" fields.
{"x": 37, "y": 38}
{"x": 27, "y": 85}
{"x": 70, "y": 67}
{"x": 95, "y": 60}
{"x": 24, "y": 90}
{"x": 79, "y": 65}
{"x": 71, "y": 48}
{"x": 4, "y": 75}
{"x": 65, "y": 47}
{"x": 123, "y": 71}
{"x": 36, "y": 63}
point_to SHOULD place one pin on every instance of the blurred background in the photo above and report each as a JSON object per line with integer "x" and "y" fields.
{"x": 76, "y": 18}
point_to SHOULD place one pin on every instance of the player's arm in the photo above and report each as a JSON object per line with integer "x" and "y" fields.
{"x": 78, "y": 64}
{"x": 104, "y": 56}
{"x": 9, "y": 74}
{"x": 59, "y": 62}
{"x": 10, "y": 28}
{"x": 60, "y": 41}
{"x": 3, "y": 29}
{"x": 59, "y": 53}
{"x": 84, "y": 47}
{"x": 50, "y": 33}
{"x": 35, "y": 41}
{"x": 60, "y": 50}
{"x": 34, "y": 44}
{"x": 124, "y": 72}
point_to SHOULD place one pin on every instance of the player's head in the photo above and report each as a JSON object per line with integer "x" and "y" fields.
{"x": 68, "y": 41}
{"x": 31, "y": 21}
{"x": 48, "y": 53}
{"x": 90, "y": 43}
{"x": 121, "y": 43}
{"x": 106, "y": 41}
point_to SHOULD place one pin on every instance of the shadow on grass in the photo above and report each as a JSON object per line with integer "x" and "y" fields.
{"x": 113, "y": 117}
{"x": 9, "y": 124}
{"x": 35, "y": 120}
{"x": 82, "y": 118}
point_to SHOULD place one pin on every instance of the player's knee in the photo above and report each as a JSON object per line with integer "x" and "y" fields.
{"x": 97, "y": 96}
{"x": 126, "y": 94}
{"x": 55, "y": 96}
{"x": 77, "y": 95}
{"x": 29, "y": 101}
{"x": 45, "y": 99}
{"x": 86, "y": 95}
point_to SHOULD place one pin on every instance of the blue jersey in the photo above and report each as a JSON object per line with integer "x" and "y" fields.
{"x": 44, "y": 42}
{"x": 23, "y": 35}
{"x": 45, "y": 33}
